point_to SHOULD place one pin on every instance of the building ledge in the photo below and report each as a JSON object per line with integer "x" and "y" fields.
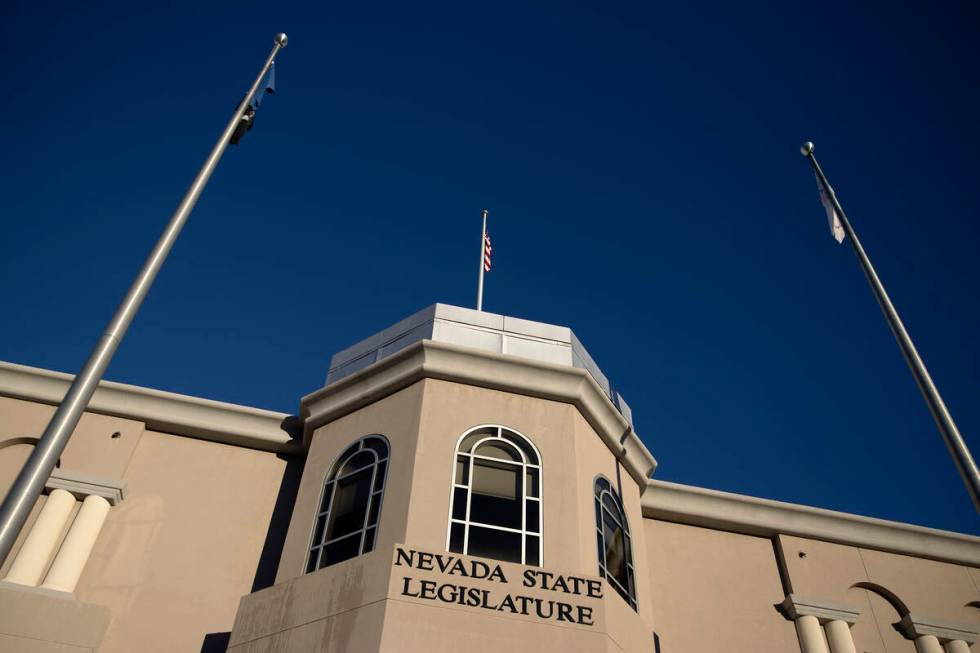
{"x": 738, "y": 513}
{"x": 504, "y": 372}
{"x": 84, "y": 485}
{"x": 160, "y": 411}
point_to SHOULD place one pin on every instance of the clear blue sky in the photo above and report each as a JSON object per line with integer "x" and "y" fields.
{"x": 641, "y": 168}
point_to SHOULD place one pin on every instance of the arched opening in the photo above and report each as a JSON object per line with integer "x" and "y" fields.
{"x": 349, "y": 509}
{"x": 877, "y": 625}
{"x": 613, "y": 542}
{"x": 495, "y": 505}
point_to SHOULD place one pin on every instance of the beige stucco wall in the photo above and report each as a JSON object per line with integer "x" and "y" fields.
{"x": 91, "y": 449}
{"x": 715, "y": 591}
{"x": 924, "y": 588}
{"x": 175, "y": 556}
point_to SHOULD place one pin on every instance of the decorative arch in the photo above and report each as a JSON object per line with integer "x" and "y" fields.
{"x": 349, "y": 508}
{"x": 886, "y": 594}
{"x": 19, "y": 440}
{"x": 495, "y": 505}
{"x": 613, "y": 541}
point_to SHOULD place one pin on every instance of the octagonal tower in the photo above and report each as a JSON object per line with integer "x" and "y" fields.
{"x": 472, "y": 482}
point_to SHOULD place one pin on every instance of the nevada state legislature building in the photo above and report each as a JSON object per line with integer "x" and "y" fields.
{"x": 463, "y": 482}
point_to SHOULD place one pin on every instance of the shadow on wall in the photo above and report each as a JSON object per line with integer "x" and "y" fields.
{"x": 215, "y": 642}
{"x": 282, "y": 512}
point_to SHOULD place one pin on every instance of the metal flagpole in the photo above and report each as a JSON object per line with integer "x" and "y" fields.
{"x": 30, "y": 482}
{"x": 951, "y": 435}
{"x": 483, "y": 247}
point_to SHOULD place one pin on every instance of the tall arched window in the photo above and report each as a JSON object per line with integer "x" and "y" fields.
{"x": 495, "y": 507}
{"x": 350, "y": 504}
{"x": 614, "y": 544}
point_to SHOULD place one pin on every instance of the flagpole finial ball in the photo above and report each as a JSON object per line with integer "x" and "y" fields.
{"x": 806, "y": 149}
{"x": 281, "y": 39}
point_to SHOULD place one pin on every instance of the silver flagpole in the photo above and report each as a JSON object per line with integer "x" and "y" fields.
{"x": 951, "y": 435}
{"x": 483, "y": 246}
{"x": 30, "y": 482}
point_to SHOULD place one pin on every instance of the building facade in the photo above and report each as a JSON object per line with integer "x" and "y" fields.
{"x": 462, "y": 481}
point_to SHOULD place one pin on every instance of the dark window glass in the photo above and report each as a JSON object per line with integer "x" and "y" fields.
{"x": 348, "y": 452}
{"x": 497, "y": 496}
{"x": 613, "y": 541}
{"x": 318, "y": 530}
{"x": 375, "y": 509}
{"x": 456, "y": 532}
{"x": 360, "y": 460}
{"x": 350, "y": 504}
{"x": 378, "y": 446}
{"x": 500, "y": 450}
{"x": 462, "y": 471}
{"x": 459, "y": 503}
{"x": 615, "y": 554}
{"x": 531, "y": 548}
{"x": 530, "y": 457}
{"x": 533, "y": 519}
{"x": 467, "y": 444}
{"x": 311, "y": 563}
{"x": 610, "y": 504}
{"x": 532, "y": 482}
{"x": 327, "y": 495}
{"x": 379, "y": 478}
{"x": 491, "y": 543}
{"x": 340, "y": 550}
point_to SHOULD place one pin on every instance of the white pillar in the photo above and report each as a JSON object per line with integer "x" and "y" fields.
{"x": 70, "y": 561}
{"x": 41, "y": 540}
{"x": 811, "y": 635}
{"x": 957, "y": 646}
{"x": 927, "y": 644}
{"x": 839, "y": 636}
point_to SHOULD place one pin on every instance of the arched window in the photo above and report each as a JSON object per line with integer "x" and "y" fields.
{"x": 495, "y": 507}
{"x": 350, "y": 504}
{"x": 613, "y": 538}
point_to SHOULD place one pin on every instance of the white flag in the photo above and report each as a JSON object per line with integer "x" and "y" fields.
{"x": 836, "y": 228}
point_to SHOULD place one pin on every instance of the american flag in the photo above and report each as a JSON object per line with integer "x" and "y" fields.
{"x": 486, "y": 252}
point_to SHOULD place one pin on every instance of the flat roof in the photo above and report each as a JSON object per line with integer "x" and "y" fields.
{"x": 499, "y": 334}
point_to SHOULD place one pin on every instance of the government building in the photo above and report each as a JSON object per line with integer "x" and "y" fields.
{"x": 462, "y": 482}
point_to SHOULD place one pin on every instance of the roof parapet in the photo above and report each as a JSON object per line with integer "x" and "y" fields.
{"x": 489, "y": 332}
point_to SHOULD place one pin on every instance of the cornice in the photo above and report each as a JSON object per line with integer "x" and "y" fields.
{"x": 161, "y": 411}
{"x": 795, "y": 606}
{"x": 913, "y": 626}
{"x": 437, "y": 360}
{"x": 766, "y": 518}
{"x": 82, "y": 485}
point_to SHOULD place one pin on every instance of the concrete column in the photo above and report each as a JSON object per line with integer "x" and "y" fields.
{"x": 811, "y": 635}
{"x": 957, "y": 646}
{"x": 928, "y": 644}
{"x": 40, "y": 541}
{"x": 839, "y": 636}
{"x": 70, "y": 561}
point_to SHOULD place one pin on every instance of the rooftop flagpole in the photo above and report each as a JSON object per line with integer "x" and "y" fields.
{"x": 30, "y": 481}
{"x": 951, "y": 435}
{"x": 483, "y": 253}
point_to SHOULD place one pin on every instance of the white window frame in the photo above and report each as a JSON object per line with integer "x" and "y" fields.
{"x": 630, "y": 596}
{"x": 332, "y": 478}
{"x": 524, "y": 466}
